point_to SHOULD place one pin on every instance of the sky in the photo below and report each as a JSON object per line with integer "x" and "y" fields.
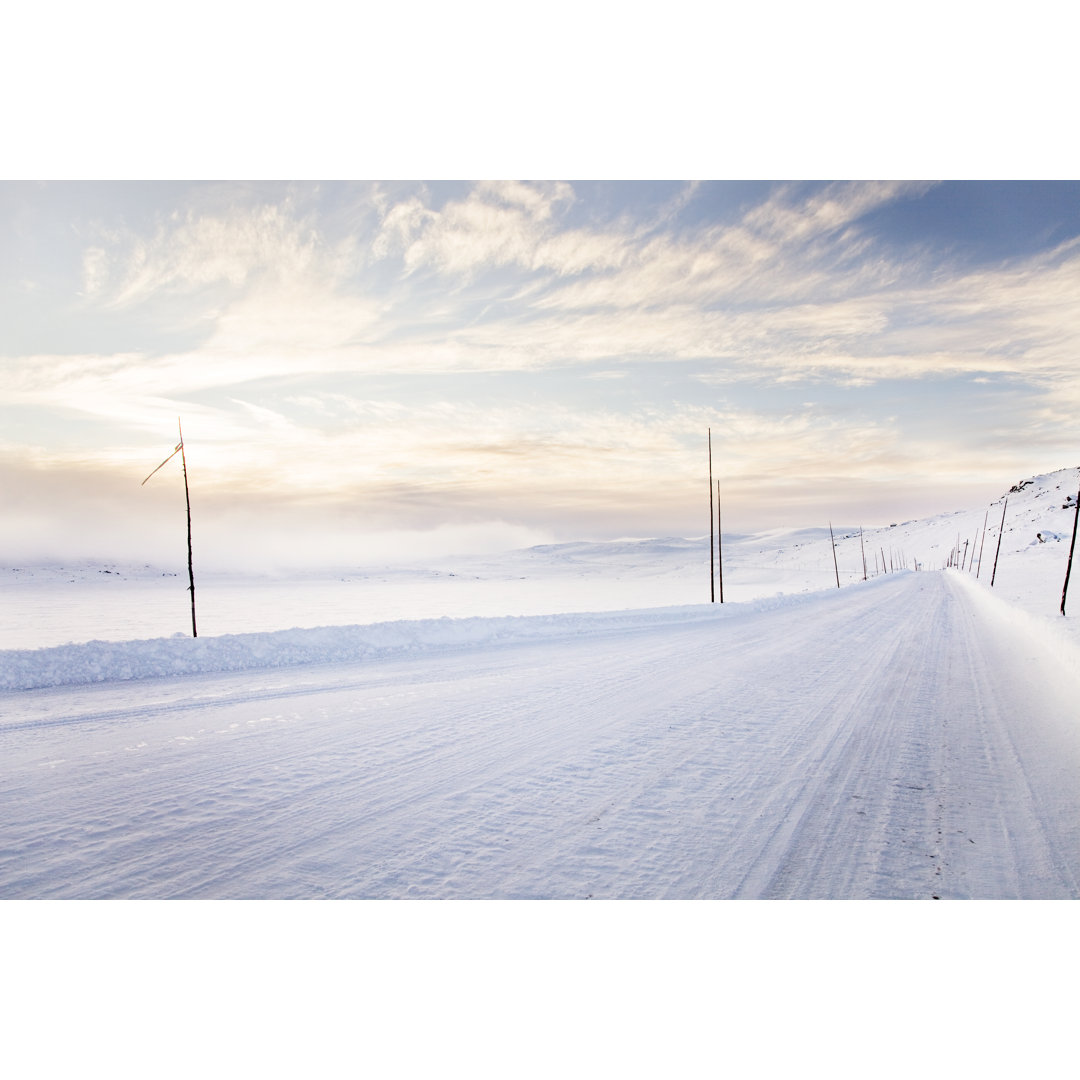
{"x": 372, "y": 370}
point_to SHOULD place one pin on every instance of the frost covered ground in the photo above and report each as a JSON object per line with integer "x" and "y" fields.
{"x": 574, "y": 721}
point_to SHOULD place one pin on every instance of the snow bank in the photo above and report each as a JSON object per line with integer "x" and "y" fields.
{"x": 109, "y": 661}
{"x": 1053, "y": 635}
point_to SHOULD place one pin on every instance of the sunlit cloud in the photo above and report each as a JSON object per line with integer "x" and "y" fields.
{"x": 536, "y": 355}
{"x": 191, "y": 252}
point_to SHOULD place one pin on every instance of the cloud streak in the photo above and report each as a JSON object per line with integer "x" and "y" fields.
{"x": 535, "y": 354}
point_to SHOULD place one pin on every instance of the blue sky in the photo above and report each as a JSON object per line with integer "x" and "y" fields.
{"x": 375, "y": 368}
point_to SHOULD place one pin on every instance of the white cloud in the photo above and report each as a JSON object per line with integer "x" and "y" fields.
{"x": 95, "y": 271}
{"x": 192, "y": 250}
{"x": 300, "y": 320}
{"x": 791, "y": 292}
{"x": 497, "y": 224}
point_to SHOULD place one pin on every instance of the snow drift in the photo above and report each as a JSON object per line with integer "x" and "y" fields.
{"x": 112, "y": 661}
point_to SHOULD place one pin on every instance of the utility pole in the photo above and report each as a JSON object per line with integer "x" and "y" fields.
{"x": 179, "y": 449}
{"x": 862, "y": 546}
{"x": 982, "y": 543}
{"x": 835, "y": 567}
{"x": 1001, "y": 532}
{"x": 1072, "y": 546}
{"x": 187, "y": 499}
{"x": 719, "y": 544}
{"x": 712, "y": 542}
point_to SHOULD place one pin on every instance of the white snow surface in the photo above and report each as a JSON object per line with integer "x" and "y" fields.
{"x": 570, "y": 721}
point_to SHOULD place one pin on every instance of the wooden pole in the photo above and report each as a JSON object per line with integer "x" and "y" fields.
{"x": 862, "y": 545}
{"x": 1072, "y": 547}
{"x": 719, "y": 544}
{"x": 187, "y": 497}
{"x": 712, "y": 541}
{"x": 1001, "y": 532}
{"x": 835, "y": 567}
{"x": 982, "y": 543}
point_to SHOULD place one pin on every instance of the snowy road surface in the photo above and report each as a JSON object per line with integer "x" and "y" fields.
{"x": 905, "y": 738}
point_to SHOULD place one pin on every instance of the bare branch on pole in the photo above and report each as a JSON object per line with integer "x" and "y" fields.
{"x": 179, "y": 446}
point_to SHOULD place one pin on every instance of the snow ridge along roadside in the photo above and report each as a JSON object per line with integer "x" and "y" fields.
{"x": 113, "y": 661}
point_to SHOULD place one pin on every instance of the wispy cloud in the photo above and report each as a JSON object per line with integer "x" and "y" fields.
{"x": 334, "y": 345}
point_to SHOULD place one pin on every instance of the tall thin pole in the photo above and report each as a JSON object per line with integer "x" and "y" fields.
{"x": 982, "y": 543}
{"x": 179, "y": 449}
{"x": 835, "y": 567}
{"x": 712, "y": 540}
{"x": 719, "y": 544}
{"x": 1072, "y": 546}
{"x": 187, "y": 497}
{"x": 1001, "y": 532}
{"x": 862, "y": 545}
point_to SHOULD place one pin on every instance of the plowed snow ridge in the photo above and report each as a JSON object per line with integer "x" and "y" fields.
{"x": 109, "y": 661}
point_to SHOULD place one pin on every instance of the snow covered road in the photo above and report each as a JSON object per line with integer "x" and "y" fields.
{"x": 904, "y": 738}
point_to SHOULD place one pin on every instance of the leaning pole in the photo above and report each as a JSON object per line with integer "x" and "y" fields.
{"x": 1072, "y": 548}
{"x": 1001, "y": 533}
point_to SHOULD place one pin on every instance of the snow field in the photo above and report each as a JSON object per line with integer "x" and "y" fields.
{"x": 910, "y": 736}
{"x": 890, "y": 740}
